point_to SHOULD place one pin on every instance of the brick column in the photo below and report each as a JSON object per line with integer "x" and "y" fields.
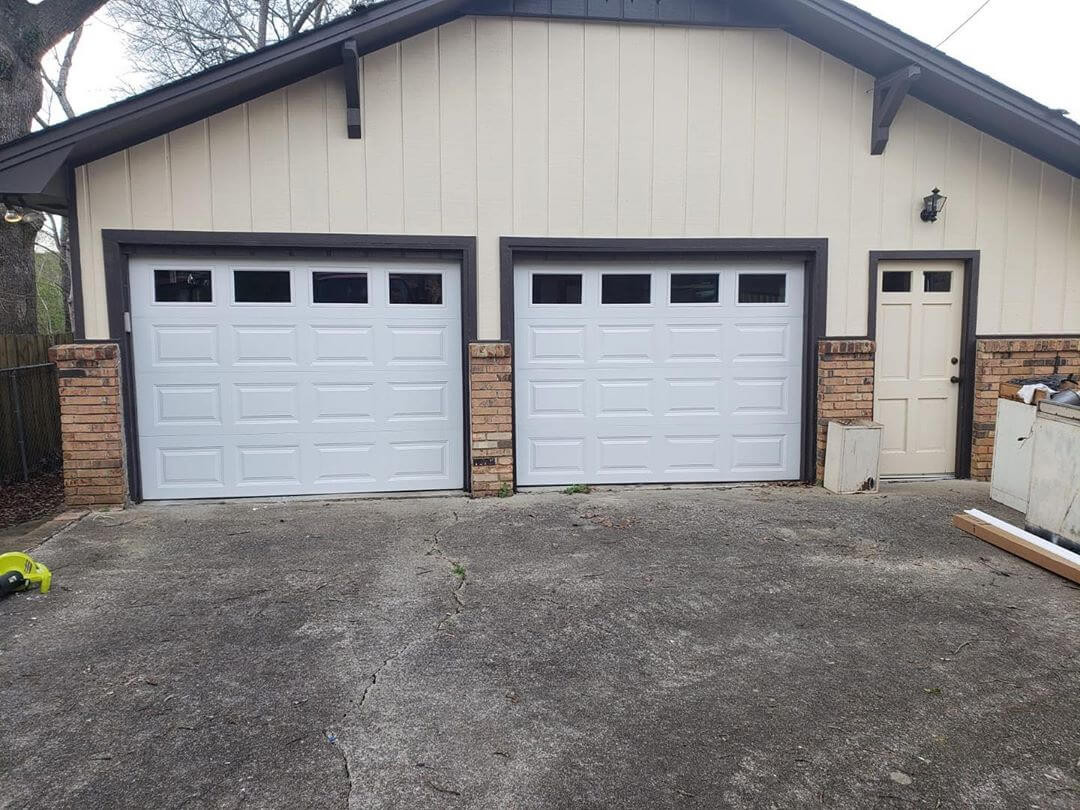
{"x": 999, "y": 360}
{"x": 491, "y": 414}
{"x": 91, "y": 423}
{"x": 845, "y": 387}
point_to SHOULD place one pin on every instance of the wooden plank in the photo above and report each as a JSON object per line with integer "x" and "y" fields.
{"x": 1057, "y": 561}
{"x": 7, "y": 351}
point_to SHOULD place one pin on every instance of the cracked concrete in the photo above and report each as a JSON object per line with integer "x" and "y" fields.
{"x": 747, "y": 647}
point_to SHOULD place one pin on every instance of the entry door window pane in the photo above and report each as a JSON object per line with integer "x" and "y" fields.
{"x": 937, "y": 281}
{"x": 695, "y": 288}
{"x": 339, "y": 288}
{"x": 762, "y": 288}
{"x": 183, "y": 286}
{"x": 261, "y": 287}
{"x": 625, "y": 288}
{"x": 416, "y": 288}
{"x": 556, "y": 288}
{"x": 896, "y": 281}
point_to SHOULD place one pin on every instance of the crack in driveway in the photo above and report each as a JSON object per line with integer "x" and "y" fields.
{"x": 357, "y": 705}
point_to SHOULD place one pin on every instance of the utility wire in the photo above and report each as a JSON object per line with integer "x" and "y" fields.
{"x": 958, "y": 28}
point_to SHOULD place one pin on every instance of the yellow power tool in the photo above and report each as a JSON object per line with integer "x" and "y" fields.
{"x": 18, "y": 572}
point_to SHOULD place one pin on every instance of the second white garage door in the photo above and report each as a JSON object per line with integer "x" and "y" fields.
{"x": 296, "y": 377}
{"x": 641, "y": 373}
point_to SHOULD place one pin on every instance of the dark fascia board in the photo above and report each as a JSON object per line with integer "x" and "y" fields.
{"x": 715, "y": 13}
{"x": 163, "y": 109}
{"x": 878, "y": 48}
{"x": 831, "y": 25}
{"x": 38, "y": 183}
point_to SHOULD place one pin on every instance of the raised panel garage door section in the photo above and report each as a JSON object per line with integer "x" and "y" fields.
{"x": 264, "y": 378}
{"x": 657, "y": 373}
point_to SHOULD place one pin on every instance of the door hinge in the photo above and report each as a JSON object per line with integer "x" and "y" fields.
{"x": 127, "y": 322}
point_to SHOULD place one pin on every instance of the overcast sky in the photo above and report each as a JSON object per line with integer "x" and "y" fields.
{"x": 1027, "y": 44}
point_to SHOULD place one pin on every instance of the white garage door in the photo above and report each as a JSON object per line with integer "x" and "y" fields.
{"x": 637, "y": 373}
{"x": 296, "y": 377}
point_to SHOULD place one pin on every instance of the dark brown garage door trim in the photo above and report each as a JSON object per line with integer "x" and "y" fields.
{"x": 813, "y": 252}
{"x": 119, "y": 245}
{"x": 965, "y": 410}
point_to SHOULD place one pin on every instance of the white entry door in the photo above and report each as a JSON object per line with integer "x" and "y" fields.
{"x": 296, "y": 377}
{"x": 647, "y": 372}
{"x": 919, "y": 321}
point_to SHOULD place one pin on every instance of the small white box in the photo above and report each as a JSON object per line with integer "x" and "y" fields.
{"x": 852, "y": 453}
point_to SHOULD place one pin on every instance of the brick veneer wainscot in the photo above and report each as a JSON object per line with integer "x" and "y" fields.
{"x": 999, "y": 360}
{"x": 88, "y": 375}
{"x": 845, "y": 387}
{"x": 491, "y": 414}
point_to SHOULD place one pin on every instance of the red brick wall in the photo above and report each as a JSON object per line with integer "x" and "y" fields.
{"x": 845, "y": 387}
{"x": 491, "y": 414}
{"x": 91, "y": 423}
{"x": 999, "y": 360}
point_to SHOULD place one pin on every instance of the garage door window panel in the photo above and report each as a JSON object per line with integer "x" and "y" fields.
{"x": 556, "y": 288}
{"x": 182, "y": 286}
{"x": 695, "y": 288}
{"x": 419, "y": 289}
{"x": 339, "y": 287}
{"x": 626, "y": 288}
{"x": 262, "y": 287}
{"x": 762, "y": 288}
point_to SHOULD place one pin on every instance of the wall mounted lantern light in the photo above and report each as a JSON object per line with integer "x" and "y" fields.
{"x": 932, "y": 205}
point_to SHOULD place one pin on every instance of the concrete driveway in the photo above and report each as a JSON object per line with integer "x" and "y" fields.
{"x": 744, "y": 647}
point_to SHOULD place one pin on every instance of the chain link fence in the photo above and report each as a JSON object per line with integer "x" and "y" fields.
{"x": 29, "y": 422}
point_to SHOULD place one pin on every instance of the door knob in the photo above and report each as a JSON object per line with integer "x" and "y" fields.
{"x": 954, "y": 379}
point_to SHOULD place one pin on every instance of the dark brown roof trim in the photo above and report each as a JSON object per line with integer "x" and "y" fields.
{"x": 733, "y": 13}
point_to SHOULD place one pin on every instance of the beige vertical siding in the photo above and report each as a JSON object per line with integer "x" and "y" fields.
{"x": 495, "y": 127}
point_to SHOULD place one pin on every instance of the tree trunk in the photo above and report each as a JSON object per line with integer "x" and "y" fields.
{"x": 20, "y": 98}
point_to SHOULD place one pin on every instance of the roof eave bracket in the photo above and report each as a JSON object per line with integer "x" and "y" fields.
{"x": 350, "y": 67}
{"x": 889, "y": 94}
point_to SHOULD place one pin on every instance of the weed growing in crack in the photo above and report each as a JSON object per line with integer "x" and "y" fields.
{"x": 459, "y": 570}
{"x": 577, "y": 489}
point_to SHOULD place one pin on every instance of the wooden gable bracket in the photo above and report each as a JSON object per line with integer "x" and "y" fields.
{"x": 350, "y": 66}
{"x": 889, "y": 93}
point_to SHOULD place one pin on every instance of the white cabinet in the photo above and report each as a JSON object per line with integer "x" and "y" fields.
{"x": 852, "y": 456}
{"x": 1054, "y": 505}
{"x": 1013, "y": 445}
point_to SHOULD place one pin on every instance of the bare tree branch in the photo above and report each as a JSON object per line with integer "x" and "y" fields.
{"x": 245, "y": 34}
{"x": 171, "y": 39}
{"x": 305, "y": 15}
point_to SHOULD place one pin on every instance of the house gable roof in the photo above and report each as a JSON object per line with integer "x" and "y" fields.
{"x": 33, "y": 168}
